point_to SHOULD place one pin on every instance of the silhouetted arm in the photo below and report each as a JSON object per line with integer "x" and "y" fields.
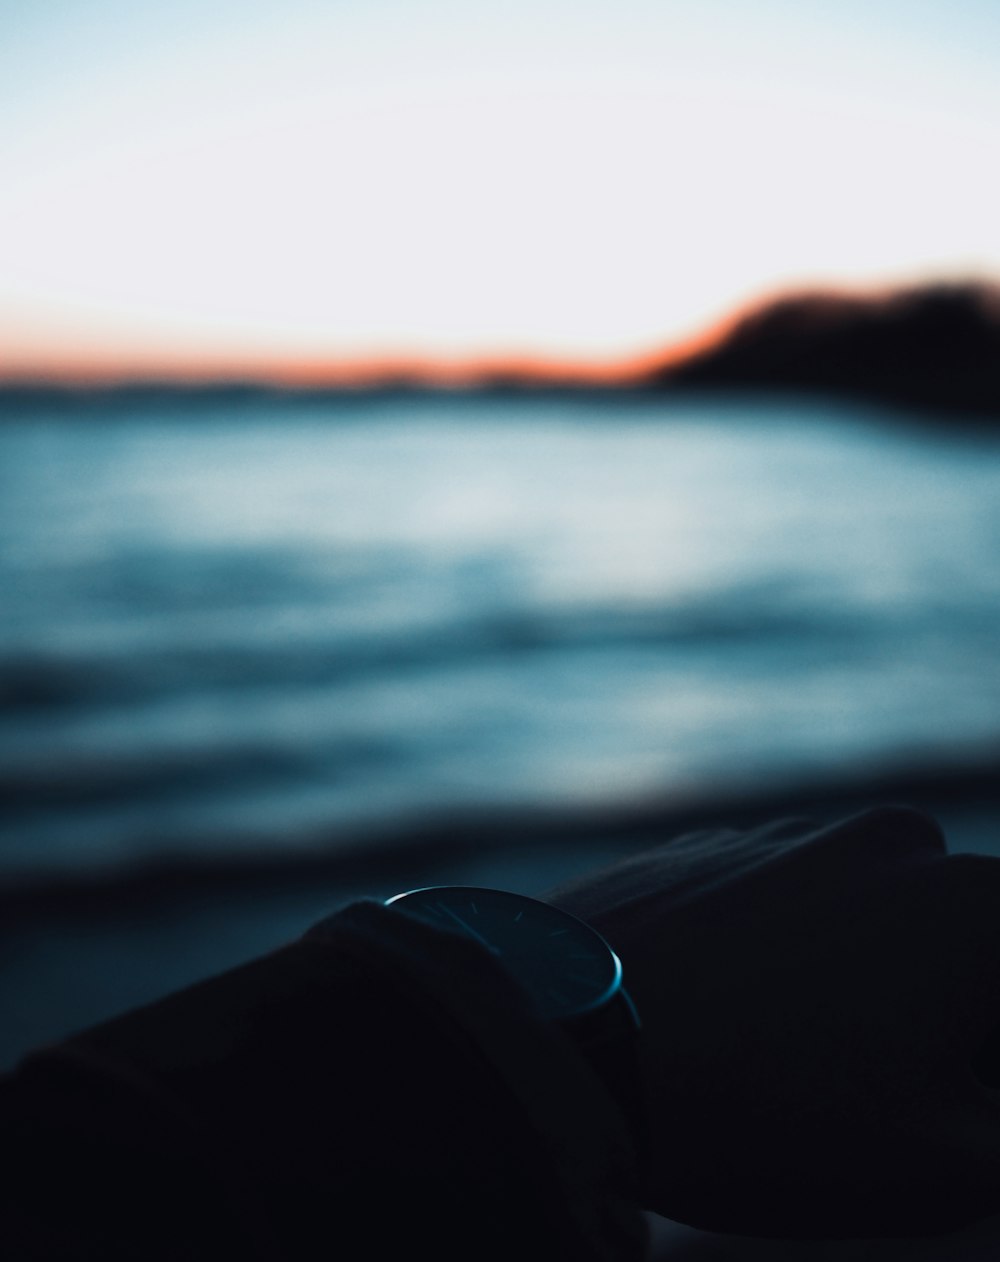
{"x": 375, "y": 1088}
{"x": 816, "y": 1003}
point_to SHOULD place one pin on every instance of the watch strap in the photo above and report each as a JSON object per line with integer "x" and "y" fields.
{"x": 584, "y": 1131}
{"x": 609, "y": 1041}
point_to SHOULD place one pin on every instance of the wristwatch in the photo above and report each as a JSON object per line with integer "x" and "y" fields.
{"x": 571, "y": 975}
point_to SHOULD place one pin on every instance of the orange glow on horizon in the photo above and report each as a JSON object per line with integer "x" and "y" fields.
{"x": 103, "y": 365}
{"x": 109, "y": 366}
{"x": 287, "y": 371}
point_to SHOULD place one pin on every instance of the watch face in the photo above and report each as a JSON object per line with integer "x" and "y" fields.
{"x": 564, "y": 965}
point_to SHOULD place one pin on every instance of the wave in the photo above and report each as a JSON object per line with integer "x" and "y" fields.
{"x": 44, "y": 680}
{"x": 86, "y": 781}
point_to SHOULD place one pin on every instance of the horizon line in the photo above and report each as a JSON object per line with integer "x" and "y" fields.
{"x": 410, "y": 369}
{"x": 362, "y": 371}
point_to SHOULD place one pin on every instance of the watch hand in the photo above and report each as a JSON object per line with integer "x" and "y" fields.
{"x": 469, "y": 929}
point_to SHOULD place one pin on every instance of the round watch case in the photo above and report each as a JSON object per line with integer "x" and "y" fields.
{"x": 573, "y": 977}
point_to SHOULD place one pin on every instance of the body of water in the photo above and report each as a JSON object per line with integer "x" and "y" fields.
{"x": 264, "y": 622}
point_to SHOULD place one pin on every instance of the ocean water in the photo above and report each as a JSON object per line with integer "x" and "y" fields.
{"x": 261, "y": 623}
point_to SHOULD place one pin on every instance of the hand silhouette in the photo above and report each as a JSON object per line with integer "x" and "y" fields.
{"x": 817, "y": 1008}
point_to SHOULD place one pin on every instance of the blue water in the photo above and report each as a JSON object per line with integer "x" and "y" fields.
{"x": 266, "y": 623}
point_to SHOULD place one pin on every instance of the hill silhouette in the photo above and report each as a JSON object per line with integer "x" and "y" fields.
{"x": 936, "y": 348}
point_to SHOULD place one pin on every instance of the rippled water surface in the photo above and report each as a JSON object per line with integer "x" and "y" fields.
{"x": 227, "y": 624}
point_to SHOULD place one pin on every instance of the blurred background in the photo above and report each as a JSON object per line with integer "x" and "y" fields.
{"x": 465, "y": 441}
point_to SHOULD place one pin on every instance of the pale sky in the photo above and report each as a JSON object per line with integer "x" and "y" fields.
{"x": 197, "y": 182}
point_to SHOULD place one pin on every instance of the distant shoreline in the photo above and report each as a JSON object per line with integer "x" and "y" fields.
{"x": 934, "y": 349}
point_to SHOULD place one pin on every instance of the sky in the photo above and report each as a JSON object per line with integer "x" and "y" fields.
{"x": 271, "y": 188}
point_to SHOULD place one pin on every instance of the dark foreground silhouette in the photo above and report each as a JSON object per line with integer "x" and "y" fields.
{"x": 935, "y": 348}
{"x": 818, "y": 1008}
